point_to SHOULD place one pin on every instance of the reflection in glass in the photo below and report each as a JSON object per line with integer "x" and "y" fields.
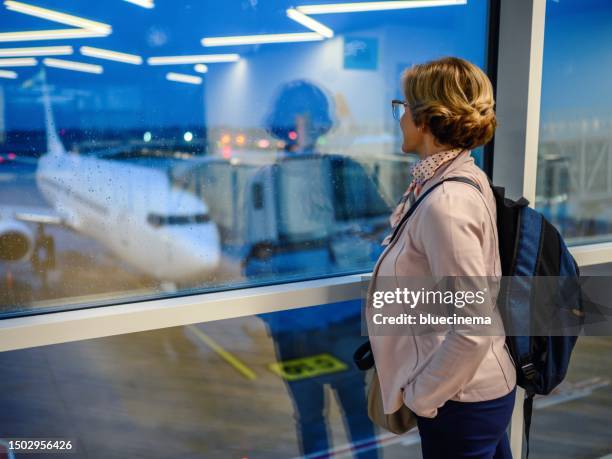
{"x": 189, "y": 161}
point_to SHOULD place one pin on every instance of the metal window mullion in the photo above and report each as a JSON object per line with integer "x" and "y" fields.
{"x": 519, "y": 85}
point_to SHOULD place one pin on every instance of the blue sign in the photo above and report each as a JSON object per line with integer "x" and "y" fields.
{"x": 360, "y": 53}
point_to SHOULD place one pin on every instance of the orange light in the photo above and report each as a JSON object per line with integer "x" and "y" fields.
{"x": 292, "y": 135}
{"x": 225, "y": 139}
{"x": 240, "y": 139}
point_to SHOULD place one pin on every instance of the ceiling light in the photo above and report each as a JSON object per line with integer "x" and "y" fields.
{"x": 8, "y": 74}
{"x": 201, "y": 68}
{"x": 56, "y": 16}
{"x": 71, "y": 65}
{"x": 144, "y": 3}
{"x": 197, "y": 59}
{"x": 37, "y": 51}
{"x": 110, "y": 55}
{"x": 375, "y": 6}
{"x": 182, "y": 78}
{"x": 18, "y": 62}
{"x": 56, "y": 34}
{"x": 310, "y": 23}
{"x": 259, "y": 39}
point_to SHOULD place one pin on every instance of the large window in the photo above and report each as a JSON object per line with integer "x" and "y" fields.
{"x": 229, "y": 144}
{"x": 574, "y": 187}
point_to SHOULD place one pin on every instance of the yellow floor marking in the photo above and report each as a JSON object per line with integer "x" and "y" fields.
{"x": 225, "y": 355}
{"x": 307, "y": 367}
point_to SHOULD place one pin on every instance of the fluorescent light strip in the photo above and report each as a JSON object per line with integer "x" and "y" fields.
{"x": 144, "y": 3}
{"x": 56, "y": 16}
{"x": 182, "y": 78}
{"x": 18, "y": 62}
{"x": 196, "y": 59}
{"x": 200, "y": 68}
{"x": 37, "y": 51}
{"x": 259, "y": 39}
{"x": 71, "y": 65}
{"x": 310, "y": 23}
{"x": 8, "y": 74}
{"x": 375, "y": 6}
{"x": 56, "y": 34}
{"x": 110, "y": 55}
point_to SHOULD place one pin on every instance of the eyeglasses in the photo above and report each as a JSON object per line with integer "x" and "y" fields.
{"x": 398, "y": 107}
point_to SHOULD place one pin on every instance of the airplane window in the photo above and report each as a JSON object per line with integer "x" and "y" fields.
{"x": 163, "y": 220}
{"x": 192, "y": 145}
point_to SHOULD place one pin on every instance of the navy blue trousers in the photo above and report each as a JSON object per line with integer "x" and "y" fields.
{"x": 474, "y": 430}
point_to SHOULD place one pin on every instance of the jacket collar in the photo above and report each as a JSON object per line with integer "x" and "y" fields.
{"x": 447, "y": 170}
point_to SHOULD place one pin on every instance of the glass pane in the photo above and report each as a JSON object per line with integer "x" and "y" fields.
{"x": 574, "y": 182}
{"x": 574, "y": 420}
{"x": 277, "y": 386}
{"x": 185, "y": 164}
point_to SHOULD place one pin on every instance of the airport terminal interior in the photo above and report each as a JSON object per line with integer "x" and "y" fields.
{"x": 190, "y": 155}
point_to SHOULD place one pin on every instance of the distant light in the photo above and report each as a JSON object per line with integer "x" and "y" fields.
{"x": 8, "y": 74}
{"x": 147, "y": 136}
{"x": 259, "y": 39}
{"x": 188, "y": 136}
{"x": 57, "y": 34}
{"x": 182, "y": 78}
{"x": 292, "y": 135}
{"x": 18, "y": 62}
{"x": 144, "y": 3}
{"x": 196, "y": 59}
{"x": 56, "y": 16}
{"x": 263, "y": 143}
{"x": 37, "y": 51}
{"x": 201, "y": 68}
{"x": 225, "y": 139}
{"x": 11, "y": 156}
{"x": 1, "y": 159}
{"x": 310, "y": 23}
{"x": 110, "y": 55}
{"x": 240, "y": 139}
{"x": 375, "y": 6}
{"x": 72, "y": 65}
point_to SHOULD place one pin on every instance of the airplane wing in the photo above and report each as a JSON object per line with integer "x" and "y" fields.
{"x": 33, "y": 214}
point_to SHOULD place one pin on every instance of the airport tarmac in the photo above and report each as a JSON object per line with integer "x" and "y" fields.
{"x": 85, "y": 272}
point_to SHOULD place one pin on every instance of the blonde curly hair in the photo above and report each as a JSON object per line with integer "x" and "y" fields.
{"x": 454, "y": 99}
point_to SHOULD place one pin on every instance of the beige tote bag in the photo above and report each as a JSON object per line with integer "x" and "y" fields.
{"x": 399, "y": 422}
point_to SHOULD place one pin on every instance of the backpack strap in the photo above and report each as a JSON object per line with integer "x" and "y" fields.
{"x": 363, "y": 356}
{"x": 527, "y": 410}
{"x": 416, "y": 203}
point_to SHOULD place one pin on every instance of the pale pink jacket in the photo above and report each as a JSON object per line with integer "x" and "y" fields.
{"x": 451, "y": 233}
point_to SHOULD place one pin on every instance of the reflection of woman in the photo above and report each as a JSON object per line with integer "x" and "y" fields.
{"x": 461, "y": 388}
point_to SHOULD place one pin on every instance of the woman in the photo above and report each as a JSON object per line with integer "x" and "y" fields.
{"x": 461, "y": 388}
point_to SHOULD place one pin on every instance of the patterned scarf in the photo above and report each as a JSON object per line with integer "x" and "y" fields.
{"x": 421, "y": 171}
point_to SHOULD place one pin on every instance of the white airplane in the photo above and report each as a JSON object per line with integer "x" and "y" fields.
{"x": 132, "y": 210}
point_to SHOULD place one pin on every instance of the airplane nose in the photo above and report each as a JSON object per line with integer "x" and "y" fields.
{"x": 197, "y": 248}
